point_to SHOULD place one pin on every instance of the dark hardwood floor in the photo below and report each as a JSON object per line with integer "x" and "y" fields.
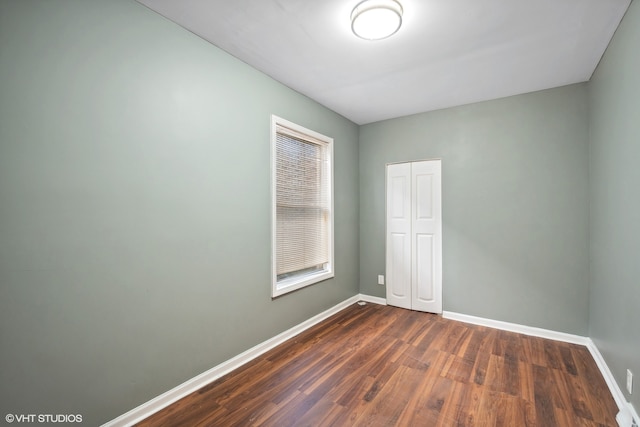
{"x": 375, "y": 365}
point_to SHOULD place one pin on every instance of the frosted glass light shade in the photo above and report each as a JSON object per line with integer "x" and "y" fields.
{"x": 376, "y": 19}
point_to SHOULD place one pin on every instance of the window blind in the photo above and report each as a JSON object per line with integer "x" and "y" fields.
{"x": 302, "y": 203}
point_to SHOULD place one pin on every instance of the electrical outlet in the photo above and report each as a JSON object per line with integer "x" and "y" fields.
{"x": 629, "y": 381}
{"x": 380, "y": 279}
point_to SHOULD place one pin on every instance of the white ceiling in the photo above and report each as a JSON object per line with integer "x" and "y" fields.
{"x": 447, "y": 53}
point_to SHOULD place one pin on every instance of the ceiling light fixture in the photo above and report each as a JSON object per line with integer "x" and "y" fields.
{"x": 376, "y": 19}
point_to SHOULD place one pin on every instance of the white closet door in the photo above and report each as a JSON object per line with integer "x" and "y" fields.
{"x": 399, "y": 235}
{"x": 426, "y": 235}
{"x": 414, "y": 236}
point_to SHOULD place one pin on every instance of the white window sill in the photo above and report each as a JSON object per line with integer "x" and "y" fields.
{"x": 293, "y": 283}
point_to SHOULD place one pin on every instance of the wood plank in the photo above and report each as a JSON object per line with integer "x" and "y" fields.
{"x": 543, "y": 392}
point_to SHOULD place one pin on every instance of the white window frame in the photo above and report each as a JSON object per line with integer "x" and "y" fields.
{"x": 301, "y": 280}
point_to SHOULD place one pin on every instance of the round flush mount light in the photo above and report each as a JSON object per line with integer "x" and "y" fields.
{"x": 376, "y": 19}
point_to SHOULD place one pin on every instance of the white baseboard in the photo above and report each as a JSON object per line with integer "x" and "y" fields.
{"x": 151, "y": 407}
{"x": 514, "y": 327}
{"x": 628, "y": 417}
{"x": 627, "y": 412}
{"x": 618, "y": 396}
{"x": 372, "y": 299}
{"x": 633, "y": 413}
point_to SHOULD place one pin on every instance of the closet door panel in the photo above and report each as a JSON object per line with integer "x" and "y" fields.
{"x": 398, "y": 256}
{"x": 426, "y": 232}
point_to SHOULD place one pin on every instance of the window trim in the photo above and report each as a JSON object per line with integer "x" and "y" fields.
{"x": 290, "y": 284}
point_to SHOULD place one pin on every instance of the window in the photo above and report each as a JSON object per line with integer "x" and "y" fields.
{"x": 302, "y": 198}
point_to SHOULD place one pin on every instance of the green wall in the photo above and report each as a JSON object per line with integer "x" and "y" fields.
{"x": 515, "y": 223}
{"x": 614, "y": 174}
{"x": 135, "y": 207}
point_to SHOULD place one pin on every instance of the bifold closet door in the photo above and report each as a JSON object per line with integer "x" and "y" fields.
{"x": 414, "y": 235}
